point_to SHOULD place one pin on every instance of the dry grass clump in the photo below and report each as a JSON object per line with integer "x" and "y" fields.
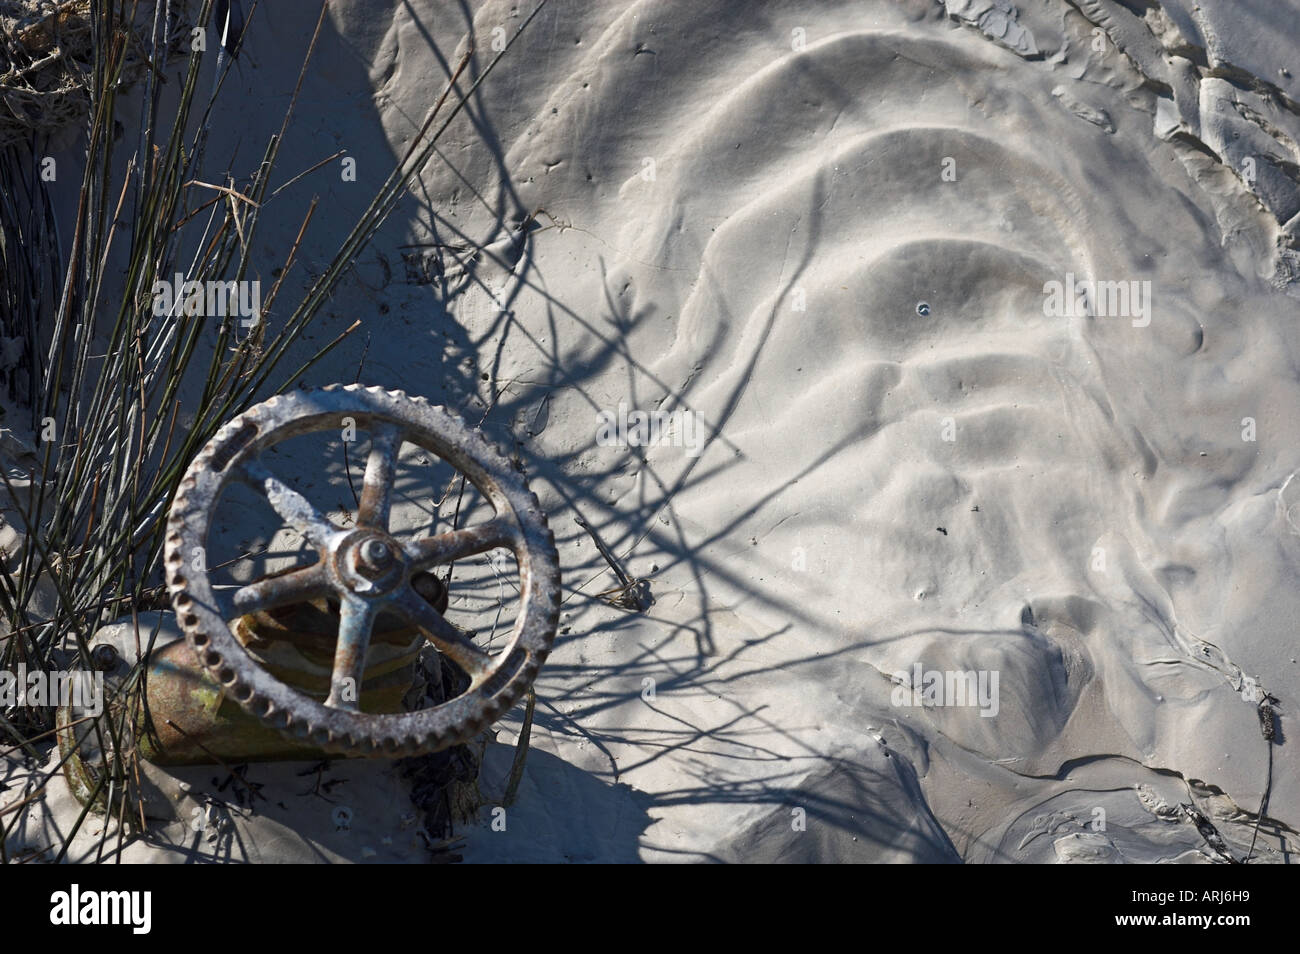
{"x": 46, "y": 60}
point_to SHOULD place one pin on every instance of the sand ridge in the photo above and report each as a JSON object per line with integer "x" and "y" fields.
{"x": 828, "y": 231}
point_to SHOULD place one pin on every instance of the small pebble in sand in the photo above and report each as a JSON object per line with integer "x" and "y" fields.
{"x": 922, "y": 308}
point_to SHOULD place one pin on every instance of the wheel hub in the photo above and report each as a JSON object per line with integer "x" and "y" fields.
{"x": 370, "y": 564}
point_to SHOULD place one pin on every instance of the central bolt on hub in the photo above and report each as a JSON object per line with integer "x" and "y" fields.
{"x": 376, "y": 555}
{"x": 369, "y": 563}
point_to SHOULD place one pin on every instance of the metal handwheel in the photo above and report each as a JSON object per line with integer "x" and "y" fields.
{"x": 365, "y": 569}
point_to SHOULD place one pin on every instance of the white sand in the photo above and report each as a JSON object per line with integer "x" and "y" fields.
{"x": 746, "y": 230}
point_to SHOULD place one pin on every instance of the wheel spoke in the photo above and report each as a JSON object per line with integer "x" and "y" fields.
{"x": 377, "y": 488}
{"x": 450, "y": 641}
{"x": 457, "y": 544}
{"x": 297, "y": 586}
{"x": 356, "y": 618}
{"x": 293, "y": 508}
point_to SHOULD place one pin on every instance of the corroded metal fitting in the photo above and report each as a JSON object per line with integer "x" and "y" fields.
{"x": 366, "y": 569}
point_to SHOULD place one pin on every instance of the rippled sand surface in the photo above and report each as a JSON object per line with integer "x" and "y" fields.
{"x": 830, "y": 231}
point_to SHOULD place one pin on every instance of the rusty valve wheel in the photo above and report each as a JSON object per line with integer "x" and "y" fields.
{"x": 366, "y": 569}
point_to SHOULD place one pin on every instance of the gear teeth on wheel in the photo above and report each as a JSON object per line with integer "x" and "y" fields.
{"x": 295, "y": 714}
